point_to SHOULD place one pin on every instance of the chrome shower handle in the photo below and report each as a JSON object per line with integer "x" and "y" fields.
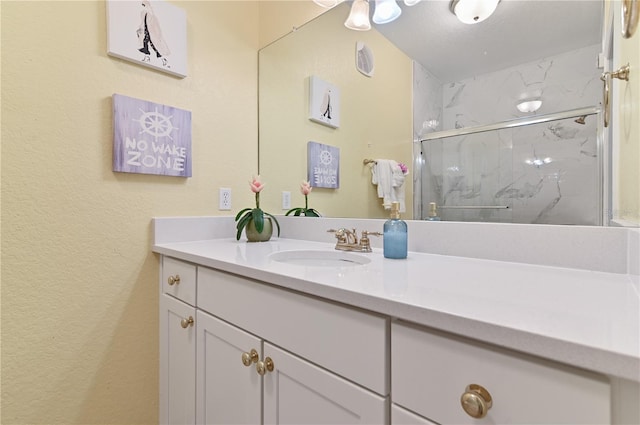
{"x": 621, "y": 73}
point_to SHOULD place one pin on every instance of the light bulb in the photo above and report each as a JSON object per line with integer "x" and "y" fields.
{"x": 386, "y": 11}
{"x": 359, "y": 16}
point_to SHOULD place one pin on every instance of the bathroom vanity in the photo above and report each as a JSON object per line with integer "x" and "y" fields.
{"x": 293, "y": 331}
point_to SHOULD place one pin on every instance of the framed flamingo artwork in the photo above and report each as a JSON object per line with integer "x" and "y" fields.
{"x": 324, "y": 102}
{"x": 151, "y": 33}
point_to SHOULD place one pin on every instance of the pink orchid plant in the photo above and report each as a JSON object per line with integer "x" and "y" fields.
{"x": 256, "y": 215}
{"x": 305, "y": 189}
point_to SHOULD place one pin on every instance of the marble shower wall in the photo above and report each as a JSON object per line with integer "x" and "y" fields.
{"x": 563, "y": 82}
{"x": 544, "y": 173}
{"x": 427, "y": 102}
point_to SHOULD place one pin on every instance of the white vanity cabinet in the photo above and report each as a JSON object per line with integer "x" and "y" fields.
{"x": 267, "y": 355}
{"x": 177, "y": 342}
{"x": 238, "y": 350}
{"x": 308, "y": 364}
{"x": 432, "y": 372}
{"x": 238, "y": 374}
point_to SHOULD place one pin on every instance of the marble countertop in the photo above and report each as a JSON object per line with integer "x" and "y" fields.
{"x": 583, "y": 318}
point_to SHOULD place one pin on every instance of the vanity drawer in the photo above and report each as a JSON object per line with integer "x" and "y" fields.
{"x": 349, "y": 342}
{"x": 431, "y": 370}
{"x": 179, "y": 279}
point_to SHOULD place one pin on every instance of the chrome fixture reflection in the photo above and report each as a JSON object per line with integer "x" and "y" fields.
{"x": 359, "y": 16}
{"x": 473, "y": 11}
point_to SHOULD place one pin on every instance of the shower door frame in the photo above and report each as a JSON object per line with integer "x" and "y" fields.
{"x": 419, "y": 208}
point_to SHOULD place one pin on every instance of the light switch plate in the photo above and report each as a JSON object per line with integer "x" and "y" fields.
{"x": 286, "y": 200}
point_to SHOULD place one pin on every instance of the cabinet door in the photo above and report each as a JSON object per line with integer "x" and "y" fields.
{"x": 228, "y": 391}
{"x": 297, "y": 392}
{"x": 177, "y": 362}
{"x": 400, "y": 416}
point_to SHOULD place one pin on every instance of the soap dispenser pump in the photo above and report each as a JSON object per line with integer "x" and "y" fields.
{"x": 394, "y": 239}
{"x": 433, "y": 212}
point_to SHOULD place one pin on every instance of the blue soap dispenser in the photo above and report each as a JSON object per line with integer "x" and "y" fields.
{"x": 394, "y": 239}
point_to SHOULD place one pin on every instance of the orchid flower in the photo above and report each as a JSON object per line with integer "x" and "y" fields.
{"x": 256, "y": 184}
{"x": 305, "y": 187}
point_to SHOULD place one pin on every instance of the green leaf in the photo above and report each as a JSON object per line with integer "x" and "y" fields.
{"x": 298, "y": 212}
{"x": 240, "y": 213}
{"x": 275, "y": 221}
{"x": 292, "y": 210}
{"x": 258, "y": 219}
{"x": 241, "y": 224}
{"x": 243, "y": 220}
{"x": 312, "y": 213}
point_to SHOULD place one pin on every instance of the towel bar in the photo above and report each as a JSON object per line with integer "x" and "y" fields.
{"x": 461, "y": 207}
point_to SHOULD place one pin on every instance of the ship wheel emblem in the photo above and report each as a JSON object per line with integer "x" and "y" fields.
{"x": 155, "y": 124}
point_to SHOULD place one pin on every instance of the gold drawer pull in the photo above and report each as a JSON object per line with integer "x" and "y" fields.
{"x": 265, "y": 366}
{"x": 173, "y": 280}
{"x": 476, "y": 401}
{"x": 250, "y": 357}
{"x": 185, "y": 323}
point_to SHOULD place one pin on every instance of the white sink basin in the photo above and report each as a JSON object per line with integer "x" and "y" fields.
{"x": 320, "y": 258}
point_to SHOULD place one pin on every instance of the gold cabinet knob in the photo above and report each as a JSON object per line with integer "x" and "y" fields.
{"x": 173, "y": 280}
{"x": 185, "y": 323}
{"x": 265, "y": 366}
{"x": 250, "y": 357}
{"x": 476, "y": 401}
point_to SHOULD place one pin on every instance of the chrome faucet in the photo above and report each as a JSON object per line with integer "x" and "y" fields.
{"x": 347, "y": 240}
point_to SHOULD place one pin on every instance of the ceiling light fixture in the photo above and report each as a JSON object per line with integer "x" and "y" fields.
{"x": 529, "y": 105}
{"x": 359, "y": 16}
{"x": 386, "y": 11}
{"x": 473, "y": 11}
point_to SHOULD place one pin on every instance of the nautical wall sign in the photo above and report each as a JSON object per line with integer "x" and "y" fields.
{"x": 150, "y": 138}
{"x": 323, "y": 165}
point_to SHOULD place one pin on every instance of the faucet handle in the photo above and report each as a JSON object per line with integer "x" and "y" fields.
{"x": 366, "y": 233}
{"x": 365, "y": 243}
{"x": 340, "y": 234}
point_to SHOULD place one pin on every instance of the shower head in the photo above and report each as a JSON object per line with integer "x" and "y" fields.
{"x": 580, "y": 120}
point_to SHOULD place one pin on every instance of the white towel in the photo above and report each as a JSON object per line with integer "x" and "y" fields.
{"x": 387, "y": 175}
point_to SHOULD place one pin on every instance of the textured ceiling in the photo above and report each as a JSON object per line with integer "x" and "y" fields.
{"x": 519, "y": 31}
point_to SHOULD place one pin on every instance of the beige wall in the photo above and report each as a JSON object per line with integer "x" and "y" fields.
{"x": 375, "y": 115}
{"x": 278, "y": 18}
{"x": 79, "y": 283}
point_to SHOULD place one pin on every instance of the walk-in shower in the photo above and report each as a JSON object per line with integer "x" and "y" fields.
{"x": 542, "y": 169}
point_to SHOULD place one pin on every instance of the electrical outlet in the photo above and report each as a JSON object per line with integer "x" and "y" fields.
{"x": 224, "y": 199}
{"x": 286, "y": 200}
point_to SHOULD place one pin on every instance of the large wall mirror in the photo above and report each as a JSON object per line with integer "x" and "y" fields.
{"x": 497, "y": 121}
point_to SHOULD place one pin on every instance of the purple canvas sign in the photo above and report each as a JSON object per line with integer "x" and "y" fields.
{"x": 150, "y": 138}
{"x": 323, "y": 165}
